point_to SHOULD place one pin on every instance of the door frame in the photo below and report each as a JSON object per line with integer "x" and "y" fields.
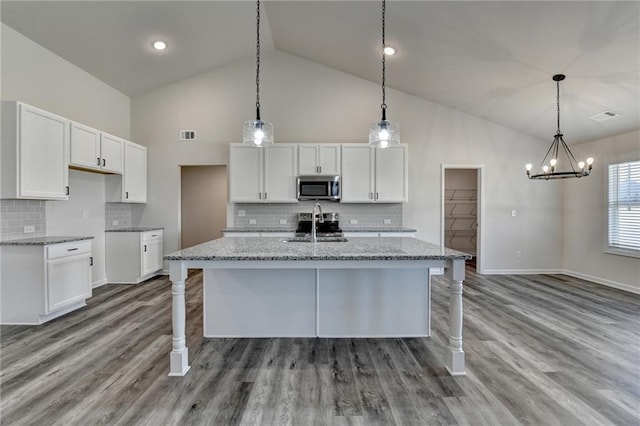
{"x": 480, "y": 208}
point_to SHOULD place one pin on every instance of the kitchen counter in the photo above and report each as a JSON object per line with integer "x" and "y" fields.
{"x": 370, "y": 229}
{"x": 269, "y": 287}
{"x": 134, "y": 229}
{"x": 42, "y": 241}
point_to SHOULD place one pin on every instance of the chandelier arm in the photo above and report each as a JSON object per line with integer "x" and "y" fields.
{"x": 569, "y": 155}
{"x": 554, "y": 143}
{"x": 257, "y": 59}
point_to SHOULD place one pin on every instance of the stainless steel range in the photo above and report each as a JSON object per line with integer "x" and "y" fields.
{"x": 328, "y": 227}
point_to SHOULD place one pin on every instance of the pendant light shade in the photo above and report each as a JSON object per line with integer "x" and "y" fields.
{"x": 559, "y": 162}
{"x": 384, "y": 133}
{"x": 257, "y": 132}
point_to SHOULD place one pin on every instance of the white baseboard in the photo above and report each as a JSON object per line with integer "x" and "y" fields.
{"x": 522, "y": 271}
{"x": 99, "y": 283}
{"x": 603, "y": 281}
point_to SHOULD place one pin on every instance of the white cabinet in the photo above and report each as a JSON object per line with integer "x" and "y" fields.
{"x": 131, "y": 187}
{"x": 40, "y": 283}
{"x": 95, "y": 150}
{"x": 262, "y": 174}
{"x": 319, "y": 159}
{"x": 374, "y": 174}
{"x": 35, "y": 153}
{"x": 133, "y": 257}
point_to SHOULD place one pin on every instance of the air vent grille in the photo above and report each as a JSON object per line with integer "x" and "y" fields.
{"x": 604, "y": 115}
{"x": 187, "y": 135}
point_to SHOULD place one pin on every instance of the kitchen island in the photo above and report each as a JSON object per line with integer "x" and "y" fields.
{"x": 270, "y": 287}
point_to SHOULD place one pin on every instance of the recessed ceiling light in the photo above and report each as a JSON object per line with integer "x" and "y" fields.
{"x": 388, "y": 50}
{"x": 159, "y": 45}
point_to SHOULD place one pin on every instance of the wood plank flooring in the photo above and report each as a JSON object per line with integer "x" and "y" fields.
{"x": 541, "y": 350}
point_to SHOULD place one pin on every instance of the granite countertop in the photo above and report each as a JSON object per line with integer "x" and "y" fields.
{"x": 42, "y": 241}
{"x": 387, "y": 229}
{"x": 355, "y": 248}
{"x": 134, "y": 229}
{"x": 258, "y": 230}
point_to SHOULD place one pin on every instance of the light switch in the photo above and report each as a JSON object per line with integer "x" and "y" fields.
{"x": 252, "y": 221}
{"x": 353, "y": 221}
{"x": 283, "y": 221}
{"x": 386, "y": 221}
{"x": 242, "y": 213}
{"x": 513, "y": 213}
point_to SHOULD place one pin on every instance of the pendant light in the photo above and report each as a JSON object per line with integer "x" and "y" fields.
{"x": 562, "y": 164}
{"x": 257, "y": 132}
{"x": 383, "y": 133}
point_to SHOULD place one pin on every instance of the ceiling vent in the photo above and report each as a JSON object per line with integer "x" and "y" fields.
{"x": 187, "y": 135}
{"x": 604, "y": 116}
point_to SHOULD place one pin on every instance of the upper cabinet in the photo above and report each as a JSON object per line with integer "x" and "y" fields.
{"x": 374, "y": 174}
{"x": 131, "y": 187}
{"x": 319, "y": 159}
{"x": 263, "y": 174}
{"x": 35, "y": 153}
{"x": 95, "y": 150}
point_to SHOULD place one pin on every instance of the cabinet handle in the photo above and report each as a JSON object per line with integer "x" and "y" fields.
{"x": 98, "y": 161}
{"x": 371, "y": 195}
{"x": 154, "y": 235}
{"x": 319, "y": 169}
{"x": 145, "y": 248}
{"x": 126, "y": 195}
{"x": 104, "y": 162}
{"x": 265, "y": 195}
{"x": 73, "y": 249}
{"x": 260, "y": 195}
{"x": 91, "y": 261}
{"x": 68, "y": 192}
{"x": 377, "y": 196}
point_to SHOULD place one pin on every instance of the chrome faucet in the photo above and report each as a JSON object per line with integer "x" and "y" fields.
{"x": 317, "y": 209}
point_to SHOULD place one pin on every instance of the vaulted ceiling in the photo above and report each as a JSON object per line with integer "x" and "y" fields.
{"x": 491, "y": 59}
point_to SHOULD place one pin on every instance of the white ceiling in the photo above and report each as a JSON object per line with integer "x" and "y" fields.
{"x": 491, "y": 59}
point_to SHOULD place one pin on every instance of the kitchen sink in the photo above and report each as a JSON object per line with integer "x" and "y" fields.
{"x": 319, "y": 240}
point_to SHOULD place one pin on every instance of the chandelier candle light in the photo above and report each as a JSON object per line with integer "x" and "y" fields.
{"x": 383, "y": 133}
{"x": 559, "y": 154}
{"x": 257, "y": 132}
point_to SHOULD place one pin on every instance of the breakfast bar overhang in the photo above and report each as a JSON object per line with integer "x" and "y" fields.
{"x": 271, "y": 287}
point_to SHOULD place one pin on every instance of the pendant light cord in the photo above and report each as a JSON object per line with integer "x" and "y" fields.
{"x": 558, "y": 103}
{"x": 384, "y": 104}
{"x": 258, "y": 60}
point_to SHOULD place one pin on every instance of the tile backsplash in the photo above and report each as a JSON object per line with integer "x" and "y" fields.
{"x": 16, "y": 214}
{"x": 117, "y": 215}
{"x": 270, "y": 215}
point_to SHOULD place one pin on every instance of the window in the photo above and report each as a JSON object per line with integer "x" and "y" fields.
{"x": 624, "y": 209}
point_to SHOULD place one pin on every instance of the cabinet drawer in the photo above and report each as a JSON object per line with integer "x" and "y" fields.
{"x": 68, "y": 249}
{"x": 151, "y": 235}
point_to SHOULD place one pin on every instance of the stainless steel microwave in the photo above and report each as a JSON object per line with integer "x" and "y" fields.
{"x": 315, "y": 187}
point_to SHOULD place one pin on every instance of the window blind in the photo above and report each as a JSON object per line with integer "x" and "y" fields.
{"x": 624, "y": 206}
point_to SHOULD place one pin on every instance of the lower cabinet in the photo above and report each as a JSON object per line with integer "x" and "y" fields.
{"x": 41, "y": 282}
{"x": 133, "y": 257}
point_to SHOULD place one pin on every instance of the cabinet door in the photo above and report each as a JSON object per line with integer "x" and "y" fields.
{"x": 43, "y": 155}
{"x": 135, "y": 173}
{"x": 307, "y": 159}
{"x": 329, "y": 159}
{"x": 245, "y": 173}
{"x": 391, "y": 174}
{"x": 85, "y": 146}
{"x": 356, "y": 175}
{"x": 112, "y": 153}
{"x": 68, "y": 281}
{"x": 151, "y": 256}
{"x": 280, "y": 173}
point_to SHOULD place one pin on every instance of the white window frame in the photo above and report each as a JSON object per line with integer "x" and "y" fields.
{"x": 630, "y": 252}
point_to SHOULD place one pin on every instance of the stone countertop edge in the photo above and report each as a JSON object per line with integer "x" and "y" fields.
{"x": 134, "y": 229}
{"x": 240, "y": 230}
{"x": 42, "y": 241}
{"x": 278, "y": 249}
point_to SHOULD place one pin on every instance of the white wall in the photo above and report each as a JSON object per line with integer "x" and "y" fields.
{"x": 586, "y": 217}
{"x": 308, "y": 102}
{"x": 33, "y": 74}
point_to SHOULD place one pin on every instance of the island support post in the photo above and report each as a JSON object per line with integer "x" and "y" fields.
{"x": 455, "y": 355}
{"x": 179, "y": 357}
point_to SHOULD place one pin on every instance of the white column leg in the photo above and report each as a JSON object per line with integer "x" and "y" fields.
{"x": 455, "y": 358}
{"x": 179, "y": 357}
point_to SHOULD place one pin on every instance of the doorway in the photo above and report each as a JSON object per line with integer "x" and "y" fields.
{"x": 203, "y": 203}
{"x": 462, "y": 210}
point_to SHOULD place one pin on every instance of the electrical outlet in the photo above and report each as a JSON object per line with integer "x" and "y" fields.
{"x": 29, "y": 229}
{"x": 85, "y": 214}
{"x": 114, "y": 223}
{"x": 252, "y": 221}
{"x": 386, "y": 221}
{"x": 283, "y": 221}
{"x": 353, "y": 221}
{"x": 242, "y": 213}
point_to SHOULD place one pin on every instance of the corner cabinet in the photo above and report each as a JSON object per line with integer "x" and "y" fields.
{"x": 40, "y": 282}
{"x": 94, "y": 150}
{"x": 263, "y": 175}
{"x": 374, "y": 175}
{"x": 131, "y": 187}
{"x": 133, "y": 256}
{"x": 319, "y": 159}
{"x": 35, "y": 153}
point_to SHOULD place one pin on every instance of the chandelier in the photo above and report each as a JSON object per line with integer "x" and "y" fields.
{"x": 257, "y": 132}
{"x": 384, "y": 133}
{"x": 562, "y": 164}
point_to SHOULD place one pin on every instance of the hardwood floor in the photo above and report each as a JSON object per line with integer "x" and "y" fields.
{"x": 541, "y": 350}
